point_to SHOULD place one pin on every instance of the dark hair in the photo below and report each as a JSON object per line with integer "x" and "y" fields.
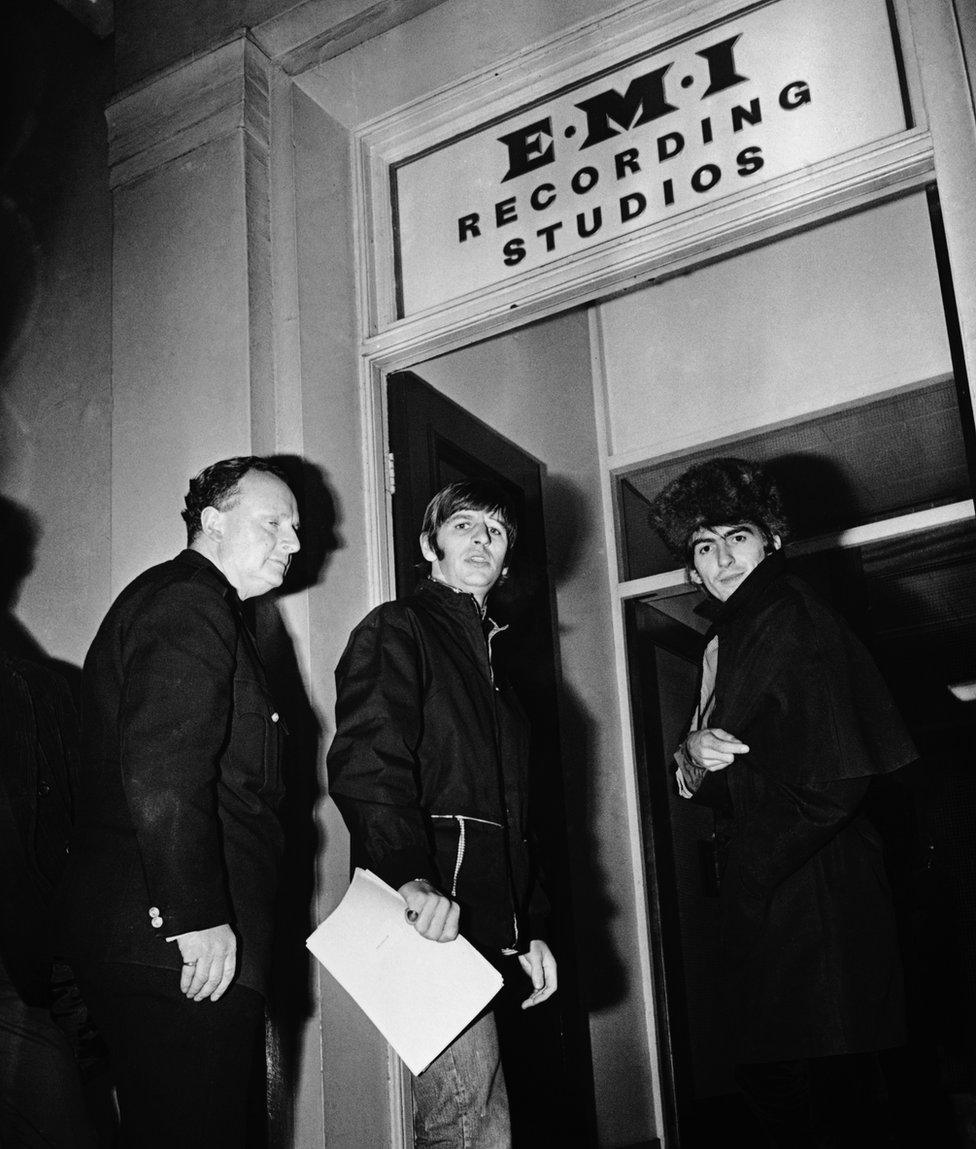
{"x": 714, "y": 493}
{"x": 470, "y": 495}
{"x": 218, "y": 486}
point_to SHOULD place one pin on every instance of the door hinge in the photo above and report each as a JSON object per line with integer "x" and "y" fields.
{"x": 390, "y": 473}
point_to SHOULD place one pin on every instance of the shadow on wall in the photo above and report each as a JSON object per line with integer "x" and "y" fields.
{"x": 19, "y": 536}
{"x": 291, "y": 1001}
{"x": 603, "y": 975}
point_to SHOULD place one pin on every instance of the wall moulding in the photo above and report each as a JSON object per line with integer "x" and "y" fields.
{"x": 792, "y": 203}
{"x": 205, "y": 98}
{"x": 317, "y": 30}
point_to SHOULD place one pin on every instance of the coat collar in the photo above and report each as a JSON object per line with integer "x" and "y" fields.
{"x": 195, "y": 559}
{"x": 751, "y": 590}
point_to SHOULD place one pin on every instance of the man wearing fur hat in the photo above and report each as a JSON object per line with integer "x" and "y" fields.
{"x": 793, "y": 721}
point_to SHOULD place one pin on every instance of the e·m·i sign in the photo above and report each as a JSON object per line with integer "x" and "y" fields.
{"x": 770, "y": 91}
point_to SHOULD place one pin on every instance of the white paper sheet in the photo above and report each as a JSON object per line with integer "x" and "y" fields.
{"x": 419, "y": 994}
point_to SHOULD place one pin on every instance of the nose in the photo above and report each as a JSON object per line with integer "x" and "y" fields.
{"x": 724, "y": 553}
{"x": 289, "y": 540}
{"x": 481, "y": 534}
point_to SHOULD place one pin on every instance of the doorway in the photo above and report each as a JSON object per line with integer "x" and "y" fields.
{"x": 433, "y": 442}
{"x": 879, "y": 490}
{"x": 919, "y": 620}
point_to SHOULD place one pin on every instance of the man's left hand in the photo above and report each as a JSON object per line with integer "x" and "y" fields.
{"x": 209, "y": 961}
{"x": 540, "y": 965}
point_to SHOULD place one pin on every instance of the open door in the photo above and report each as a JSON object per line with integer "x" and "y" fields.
{"x": 435, "y": 442}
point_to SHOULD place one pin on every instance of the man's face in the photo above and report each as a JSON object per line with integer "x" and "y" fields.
{"x": 474, "y": 545}
{"x": 723, "y": 557}
{"x": 257, "y": 535}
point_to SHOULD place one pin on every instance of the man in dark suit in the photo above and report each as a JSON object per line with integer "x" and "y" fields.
{"x": 168, "y": 902}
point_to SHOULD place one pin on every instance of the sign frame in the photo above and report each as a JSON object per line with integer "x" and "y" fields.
{"x": 600, "y": 47}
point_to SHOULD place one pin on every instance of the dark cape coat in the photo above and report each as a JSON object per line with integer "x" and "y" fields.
{"x": 177, "y": 806}
{"x": 809, "y": 934}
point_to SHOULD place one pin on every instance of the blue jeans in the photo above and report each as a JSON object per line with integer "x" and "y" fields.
{"x": 460, "y": 1100}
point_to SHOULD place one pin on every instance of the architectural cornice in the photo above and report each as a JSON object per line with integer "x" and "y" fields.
{"x": 317, "y": 30}
{"x": 201, "y": 99}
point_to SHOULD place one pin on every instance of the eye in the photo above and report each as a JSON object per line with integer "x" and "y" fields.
{"x": 496, "y": 531}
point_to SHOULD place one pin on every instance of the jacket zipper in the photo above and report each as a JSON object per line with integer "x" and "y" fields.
{"x": 461, "y": 819}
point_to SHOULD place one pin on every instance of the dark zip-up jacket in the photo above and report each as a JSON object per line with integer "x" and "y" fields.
{"x": 430, "y": 759}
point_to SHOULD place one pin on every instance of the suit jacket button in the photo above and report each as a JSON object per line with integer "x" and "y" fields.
{"x": 154, "y": 911}
{"x": 156, "y": 923}
{"x": 274, "y": 716}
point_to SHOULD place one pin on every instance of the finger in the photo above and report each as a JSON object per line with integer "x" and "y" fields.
{"x": 730, "y": 741}
{"x": 230, "y": 964}
{"x": 186, "y": 975}
{"x": 718, "y": 761}
{"x": 214, "y": 974}
{"x": 452, "y": 924}
{"x": 543, "y": 994}
{"x": 199, "y": 976}
{"x": 432, "y": 915}
{"x": 537, "y": 973}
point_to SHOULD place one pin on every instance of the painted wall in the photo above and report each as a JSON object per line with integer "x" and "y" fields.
{"x": 181, "y": 363}
{"x": 825, "y": 317}
{"x": 55, "y": 327}
{"x": 353, "y": 1102}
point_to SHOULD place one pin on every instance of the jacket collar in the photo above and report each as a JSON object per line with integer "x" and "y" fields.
{"x": 460, "y": 603}
{"x": 746, "y": 594}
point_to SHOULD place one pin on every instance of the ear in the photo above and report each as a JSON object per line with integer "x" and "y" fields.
{"x": 777, "y": 542}
{"x": 212, "y": 522}
{"x": 694, "y": 576}
{"x": 427, "y": 550}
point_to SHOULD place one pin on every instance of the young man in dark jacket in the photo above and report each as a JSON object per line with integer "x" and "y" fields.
{"x": 793, "y": 720}
{"x": 428, "y": 767}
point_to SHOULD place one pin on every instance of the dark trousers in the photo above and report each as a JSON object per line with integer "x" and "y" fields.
{"x": 41, "y": 1100}
{"x": 182, "y": 1068}
{"x": 819, "y": 1103}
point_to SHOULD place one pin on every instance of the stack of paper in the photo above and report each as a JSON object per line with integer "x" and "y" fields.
{"x": 419, "y": 994}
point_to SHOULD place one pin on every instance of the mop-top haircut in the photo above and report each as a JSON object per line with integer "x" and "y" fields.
{"x": 715, "y": 493}
{"x": 470, "y": 495}
{"x": 219, "y": 485}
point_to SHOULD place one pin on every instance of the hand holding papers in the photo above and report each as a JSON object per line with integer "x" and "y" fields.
{"x": 419, "y": 994}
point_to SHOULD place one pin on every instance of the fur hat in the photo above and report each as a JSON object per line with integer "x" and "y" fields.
{"x": 714, "y": 493}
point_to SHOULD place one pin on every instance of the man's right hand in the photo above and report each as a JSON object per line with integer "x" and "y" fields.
{"x": 713, "y": 748}
{"x": 209, "y": 961}
{"x": 433, "y": 914}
